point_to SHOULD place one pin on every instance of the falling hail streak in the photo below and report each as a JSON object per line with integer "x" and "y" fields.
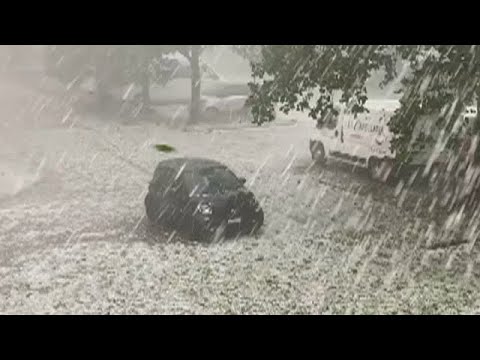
{"x": 127, "y": 93}
{"x": 290, "y": 149}
{"x": 180, "y": 172}
{"x": 65, "y": 118}
{"x": 171, "y": 236}
{"x": 177, "y": 112}
{"x": 138, "y": 109}
{"x": 257, "y": 172}
{"x": 73, "y": 82}
{"x": 62, "y": 158}
{"x": 289, "y": 166}
{"x": 73, "y": 123}
{"x": 136, "y": 226}
{"x": 143, "y": 193}
{"x": 41, "y": 166}
{"x": 92, "y": 160}
{"x": 67, "y": 242}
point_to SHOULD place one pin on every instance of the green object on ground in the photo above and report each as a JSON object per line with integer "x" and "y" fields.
{"x": 164, "y": 148}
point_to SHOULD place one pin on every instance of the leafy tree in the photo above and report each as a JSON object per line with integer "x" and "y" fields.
{"x": 441, "y": 81}
{"x": 193, "y": 53}
{"x": 116, "y": 65}
{"x": 144, "y": 64}
{"x": 112, "y": 65}
{"x": 249, "y": 52}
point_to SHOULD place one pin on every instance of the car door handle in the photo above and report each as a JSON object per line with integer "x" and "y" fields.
{"x": 336, "y": 133}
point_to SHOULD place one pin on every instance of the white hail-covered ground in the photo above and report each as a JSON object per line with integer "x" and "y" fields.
{"x": 74, "y": 239}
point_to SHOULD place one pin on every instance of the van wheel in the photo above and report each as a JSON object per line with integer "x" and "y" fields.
{"x": 380, "y": 169}
{"x": 318, "y": 153}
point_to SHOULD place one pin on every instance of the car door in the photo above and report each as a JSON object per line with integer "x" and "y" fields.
{"x": 160, "y": 190}
{"x": 178, "y": 198}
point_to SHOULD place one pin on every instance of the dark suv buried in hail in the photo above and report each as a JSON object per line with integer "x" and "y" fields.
{"x": 203, "y": 199}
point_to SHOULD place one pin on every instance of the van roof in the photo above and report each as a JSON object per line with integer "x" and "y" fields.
{"x": 389, "y": 105}
{"x": 379, "y": 104}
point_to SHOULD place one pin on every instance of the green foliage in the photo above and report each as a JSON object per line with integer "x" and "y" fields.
{"x": 304, "y": 77}
{"x": 165, "y": 148}
{"x": 442, "y": 80}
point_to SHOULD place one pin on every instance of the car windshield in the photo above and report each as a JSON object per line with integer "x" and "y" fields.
{"x": 213, "y": 180}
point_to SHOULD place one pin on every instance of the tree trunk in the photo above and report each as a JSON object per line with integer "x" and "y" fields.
{"x": 196, "y": 84}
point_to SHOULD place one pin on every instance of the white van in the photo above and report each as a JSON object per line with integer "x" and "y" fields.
{"x": 361, "y": 139}
{"x": 364, "y": 139}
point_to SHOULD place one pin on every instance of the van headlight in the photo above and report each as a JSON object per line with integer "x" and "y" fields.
{"x": 205, "y": 209}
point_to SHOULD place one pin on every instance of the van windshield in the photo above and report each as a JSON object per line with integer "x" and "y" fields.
{"x": 329, "y": 121}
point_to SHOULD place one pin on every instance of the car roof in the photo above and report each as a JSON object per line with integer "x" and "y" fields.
{"x": 189, "y": 163}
